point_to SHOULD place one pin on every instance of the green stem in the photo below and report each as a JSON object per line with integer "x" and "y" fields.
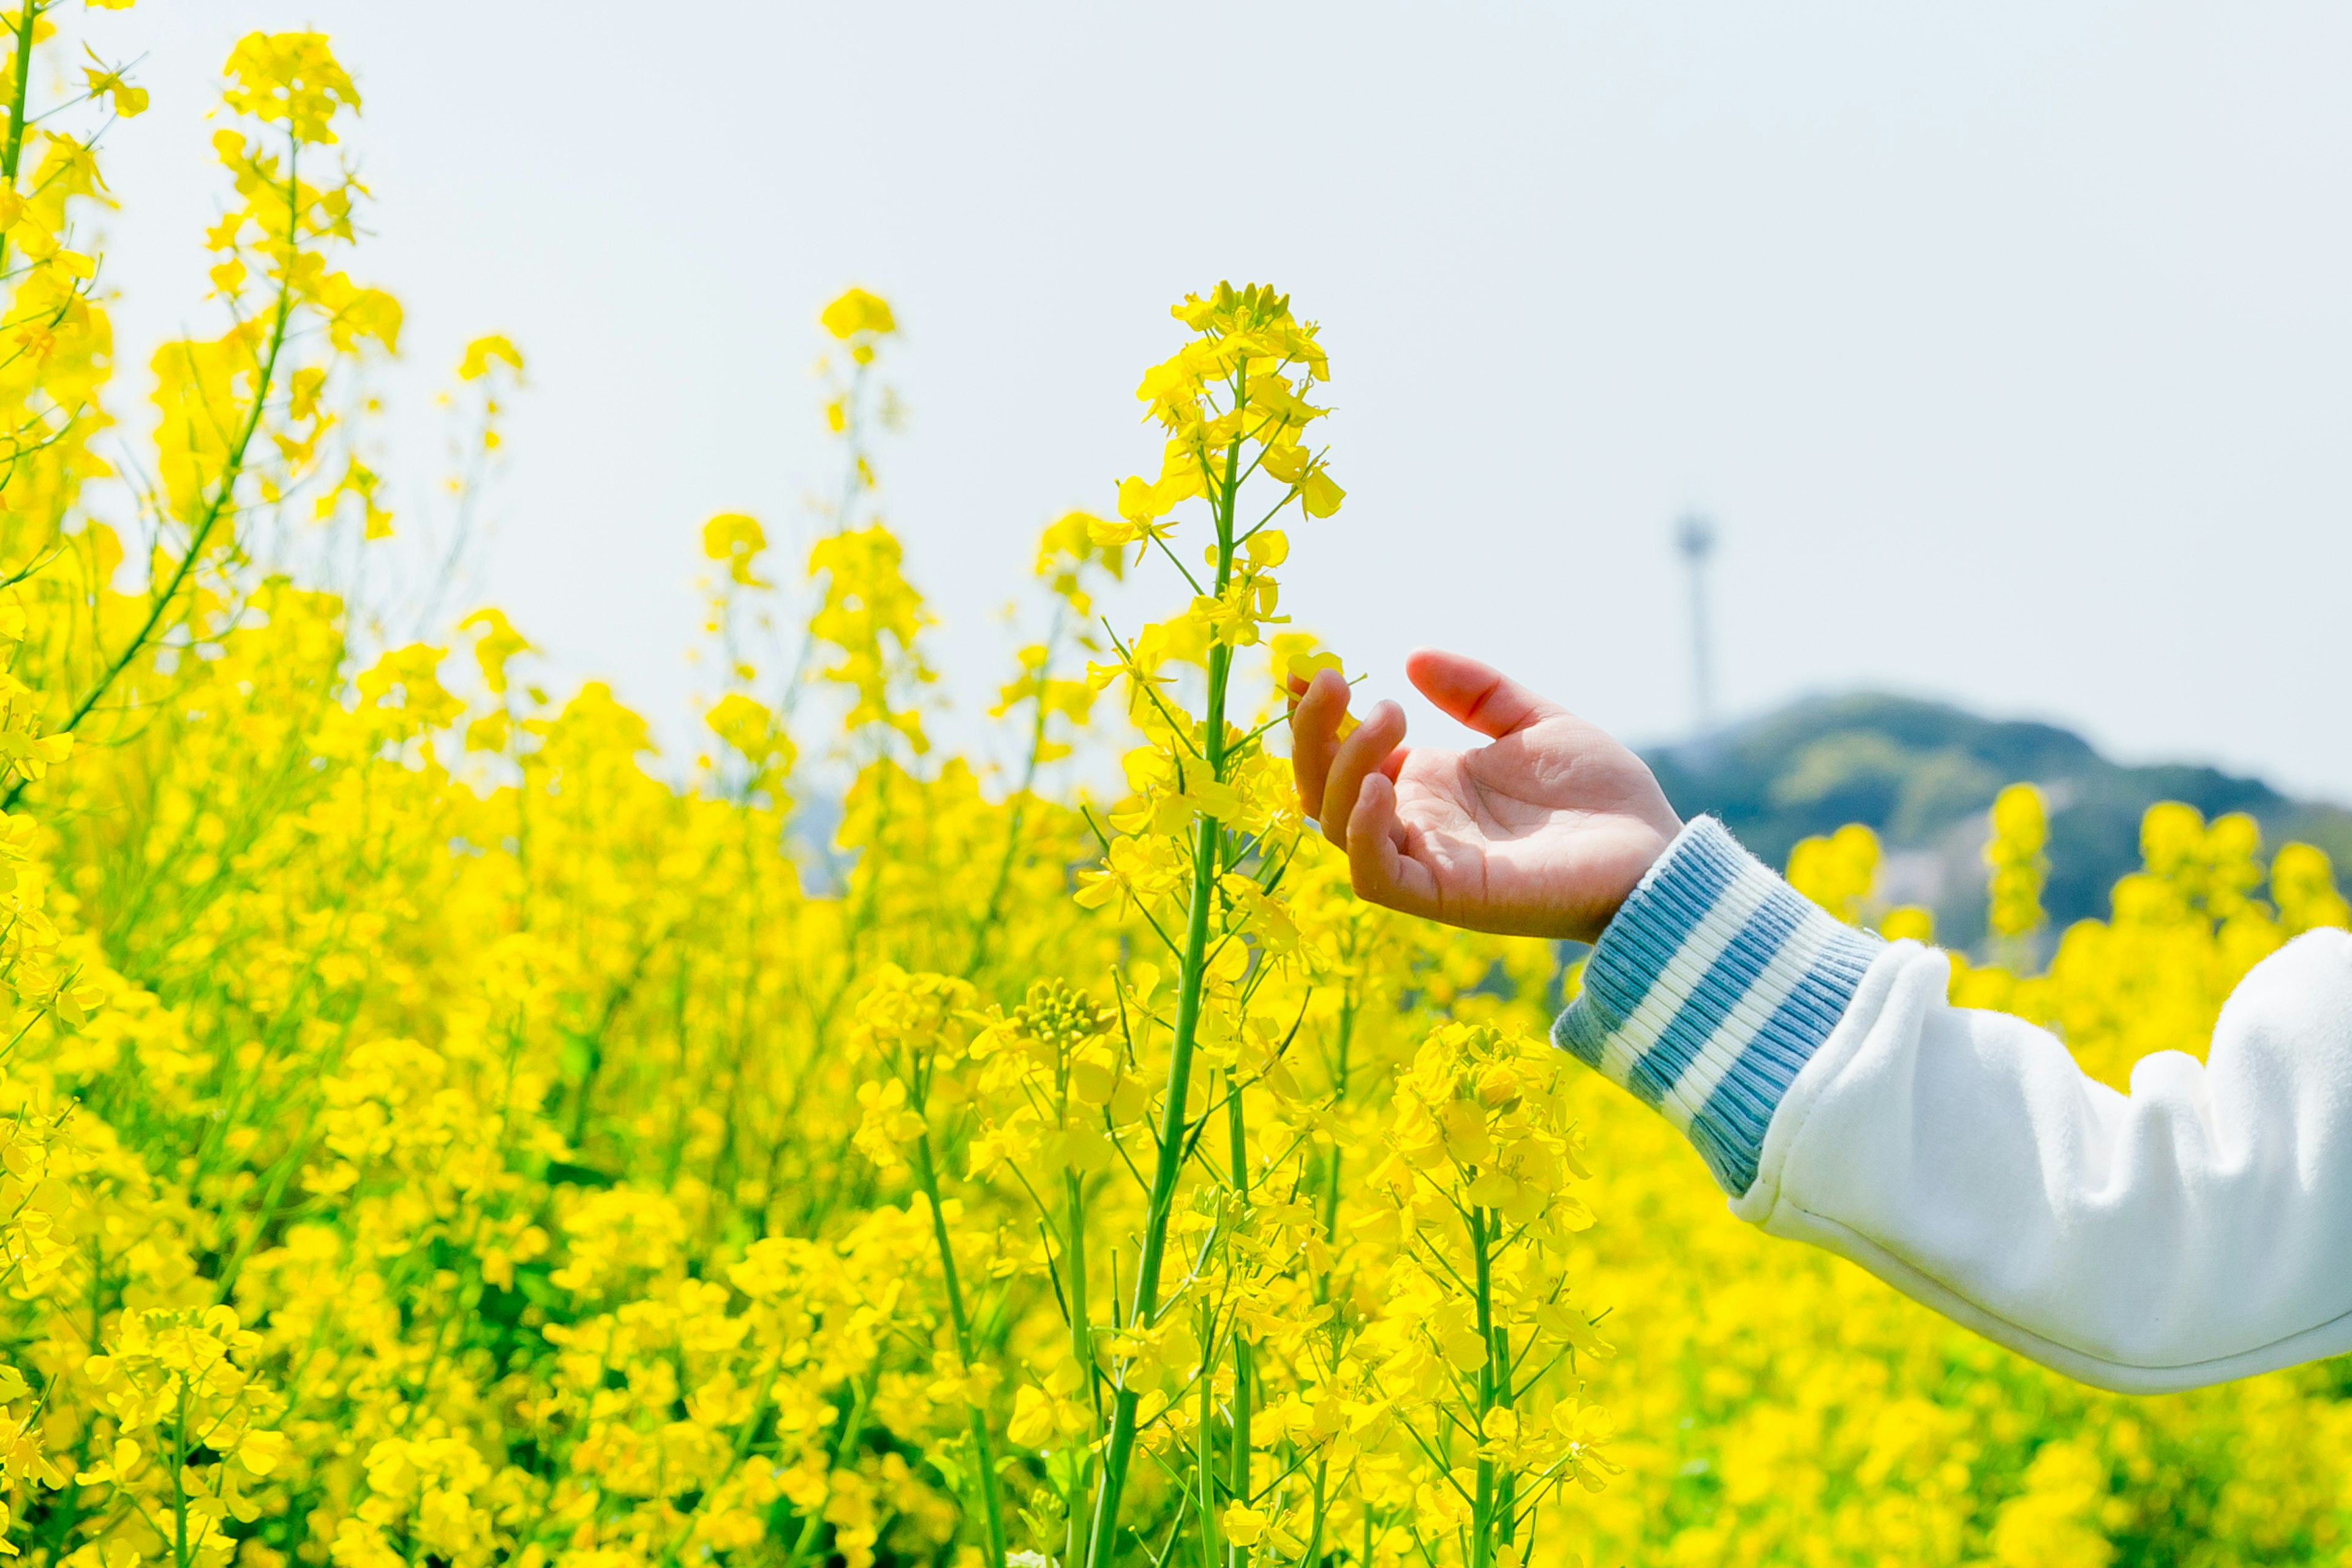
{"x": 1313, "y": 1555}
{"x": 1082, "y": 1345}
{"x": 1120, "y": 1447}
{"x": 27, "y": 17}
{"x": 991, "y": 1510}
{"x": 1146, "y": 1305}
{"x": 11, "y": 156}
{"x": 1237, "y": 1473}
{"x": 1491, "y": 1511}
{"x": 223, "y": 493}
{"x": 1346, "y": 1033}
{"x": 1204, "y": 1463}
{"x": 179, "y": 1480}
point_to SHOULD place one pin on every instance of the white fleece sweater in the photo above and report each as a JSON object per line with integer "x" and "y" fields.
{"x": 2196, "y": 1230}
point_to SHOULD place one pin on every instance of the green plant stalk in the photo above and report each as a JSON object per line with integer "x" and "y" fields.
{"x": 984, "y": 1457}
{"x": 1491, "y": 1511}
{"x": 1120, "y": 1447}
{"x": 12, "y": 158}
{"x": 1237, "y": 1473}
{"x": 1314, "y": 1553}
{"x": 1330, "y": 1195}
{"x": 1204, "y": 1463}
{"x": 1340, "y": 1076}
{"x": 1082, "y": 1342}
{"x": 179, "y": 1480}
{"x": 223, "y": 493}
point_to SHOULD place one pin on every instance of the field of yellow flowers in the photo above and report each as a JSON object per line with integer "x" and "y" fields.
{"x": 435, "y": 1129}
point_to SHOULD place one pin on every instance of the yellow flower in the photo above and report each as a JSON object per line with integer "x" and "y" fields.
{"x": 2020, "y": 828}
{"x": 856, "y": 311}
{"x": 554, "y": 1156}
{"x": 482, "y": 352}
{"x": 127, "y": 101}
{"x": 1242, "y": 1525}
{"x": 292, "y": 80}
{"x": 738, "y": 541}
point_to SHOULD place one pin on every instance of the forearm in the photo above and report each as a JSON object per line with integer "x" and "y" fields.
{"x": 2197, "y": 1230}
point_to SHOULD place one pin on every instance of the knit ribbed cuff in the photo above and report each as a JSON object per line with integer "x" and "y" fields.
{"x": 1713, "y": 985}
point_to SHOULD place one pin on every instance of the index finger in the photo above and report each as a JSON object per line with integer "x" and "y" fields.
{"x": 1315, "y": 719}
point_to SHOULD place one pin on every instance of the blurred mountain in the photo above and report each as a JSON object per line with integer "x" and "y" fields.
{"x": 1923, "y": 774}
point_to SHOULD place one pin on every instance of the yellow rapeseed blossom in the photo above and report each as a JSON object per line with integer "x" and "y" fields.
{"x": 437, "y": 1129}
{"x": 2020, "y": 829}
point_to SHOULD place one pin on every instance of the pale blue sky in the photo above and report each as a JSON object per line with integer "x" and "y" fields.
{"x": 2011, "y": 344}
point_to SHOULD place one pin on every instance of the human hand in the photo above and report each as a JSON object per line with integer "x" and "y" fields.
{"x": 1542, "y": 832}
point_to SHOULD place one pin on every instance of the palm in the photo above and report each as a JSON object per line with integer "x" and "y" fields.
{"x": 1542, "y": 832}
{"x": 1516, "y": 834}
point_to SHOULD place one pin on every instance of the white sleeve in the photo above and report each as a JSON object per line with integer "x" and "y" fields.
{"x": 2196, "y": 1230}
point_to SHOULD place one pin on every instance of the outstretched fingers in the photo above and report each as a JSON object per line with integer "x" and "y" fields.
{"x": 1476, "y": 694}
{"x": 1377, "y": 863}
{"x": 1316, "y": 708}
{"x": 1371, "y": 749}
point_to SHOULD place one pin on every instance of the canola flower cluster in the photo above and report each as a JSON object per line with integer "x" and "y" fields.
{"x": 434, "y": 1132}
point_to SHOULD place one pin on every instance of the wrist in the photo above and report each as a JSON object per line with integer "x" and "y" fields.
{"x": 1714, "y": 983}
{"x": 1641, "y": 847}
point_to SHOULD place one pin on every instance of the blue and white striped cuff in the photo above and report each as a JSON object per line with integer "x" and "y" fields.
{"x": 1712, "y": 987}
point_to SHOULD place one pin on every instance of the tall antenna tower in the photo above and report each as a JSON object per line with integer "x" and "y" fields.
{"x": 1694, "y": 537}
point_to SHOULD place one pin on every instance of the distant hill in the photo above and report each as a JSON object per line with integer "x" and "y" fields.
{"x": 1923, "y": 774}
